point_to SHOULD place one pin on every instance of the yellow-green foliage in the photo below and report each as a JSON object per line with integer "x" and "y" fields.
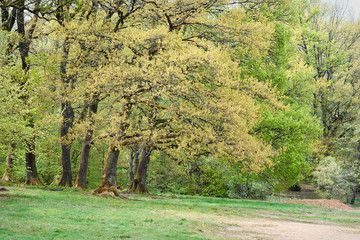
{"x": 172, "y": 71}
{"x": 189, "y": 78}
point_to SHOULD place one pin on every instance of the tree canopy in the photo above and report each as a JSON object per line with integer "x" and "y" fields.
{"x": 253, "y": 92}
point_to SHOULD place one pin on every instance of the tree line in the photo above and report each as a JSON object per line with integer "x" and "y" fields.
{"x": 247, "y": 96}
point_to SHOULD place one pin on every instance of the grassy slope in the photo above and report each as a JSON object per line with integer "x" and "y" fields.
{"x": 33, "y": 213}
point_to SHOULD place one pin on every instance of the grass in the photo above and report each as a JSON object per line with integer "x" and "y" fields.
{"x": 34, "y": 213}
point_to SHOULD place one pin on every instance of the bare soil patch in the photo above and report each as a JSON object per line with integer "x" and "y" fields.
{"x": 322, "y": 202}
{"x": 254, "y": 228}
{"x": 282, "y": 230}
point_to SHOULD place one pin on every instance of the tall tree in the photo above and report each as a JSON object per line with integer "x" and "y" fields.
{"x": 12, "y": 13}
{"x": 67, "y": 117}
{"x": 85, "y": 151}
{"x": 177, "y": 94}
{"x": 326, "y": 42}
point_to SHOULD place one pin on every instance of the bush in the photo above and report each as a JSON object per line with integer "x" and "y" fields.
{"x": 332, "y": 179}
{"x": 213, "y": 182}
{"x": 237, "y": 187}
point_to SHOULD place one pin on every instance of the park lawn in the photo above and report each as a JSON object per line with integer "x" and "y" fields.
{"x": 37, "y": 213}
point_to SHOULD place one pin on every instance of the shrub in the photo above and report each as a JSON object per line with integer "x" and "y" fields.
{"x": 332, "y": 179}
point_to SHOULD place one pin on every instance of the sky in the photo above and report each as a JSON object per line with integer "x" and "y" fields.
{"x": 353, "y": 5}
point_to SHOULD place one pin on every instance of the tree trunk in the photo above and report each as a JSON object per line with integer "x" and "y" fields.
{"x": 84, "y": 160}
{"x": 354, "y": 188}
{"x": 108, "y": 183}
{"x": 85, "y": 151}
{"x": 68, "y": 117}
{"x": 131, "y": 172}
{"x": 7, "y": 177}
{"x": 139, "y": 184}
{"x": 133, "y": 164}
{"x": 67, "y": 120}
{"x": 32, "y": 177}
{"x": 66, "y": 177}
{"x": 23, "y": 43}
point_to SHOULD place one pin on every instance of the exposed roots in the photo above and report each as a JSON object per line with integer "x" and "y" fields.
{"x": 33, "y": 181}
{"x": 64, "y": 183}
{"x": 6, "y": 177}
{"x": 108, "y": 191}
{"x": 138, "y": 188}
{"x": 79, "y": 185}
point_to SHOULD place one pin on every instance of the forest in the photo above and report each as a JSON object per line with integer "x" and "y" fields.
{"x": 225, "y": 98}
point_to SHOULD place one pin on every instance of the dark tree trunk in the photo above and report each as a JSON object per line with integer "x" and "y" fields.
{"x": 32, "y": 177}
{"x": 109, "y": 177}
{"x": 85, "y": 151}
{"x": 353, "y": 198}
{"x": 84, "y": 160}
{"x": 66, "y": 177}
{"x": 139, "y": 184}
{"x": 24, "y": 43}
{"x": 67, "y": 120}
{"x": 108, "y": 183}
{"x": 354, "y": 188}
{"x": 7, "y": 177}
{"x": 133, "y": 164}
{"x": 68, "y": 117}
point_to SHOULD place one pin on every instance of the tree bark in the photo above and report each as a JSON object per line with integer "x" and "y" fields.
{"x": 32, "y": 177}
{"x": 133, "y": 164}
{"x": 7, "y": 177}
{"x": 67, "y": 120}
{"x": 85, "y": 151}
{"x": 139, "y": 184}
{"x": 108, "y": 182}
{"x": 68, "y": 116}
{"x": 23, "y": 44}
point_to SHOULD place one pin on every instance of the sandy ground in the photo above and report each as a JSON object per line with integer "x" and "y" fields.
{"x": 271, "y": 228}
{"x": 276, "y": 230}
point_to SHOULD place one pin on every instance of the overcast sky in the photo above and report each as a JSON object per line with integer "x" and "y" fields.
{"x": 353, "y": 5}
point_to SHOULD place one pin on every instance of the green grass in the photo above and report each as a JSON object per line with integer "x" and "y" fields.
{"x": 34, "y": 213}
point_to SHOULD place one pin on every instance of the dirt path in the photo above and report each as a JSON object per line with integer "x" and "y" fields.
{"x": 271, "y": 228}
{"x": 282, "y": 230}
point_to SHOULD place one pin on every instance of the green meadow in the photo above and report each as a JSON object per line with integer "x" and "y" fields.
{"x": 45, "y": 213}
